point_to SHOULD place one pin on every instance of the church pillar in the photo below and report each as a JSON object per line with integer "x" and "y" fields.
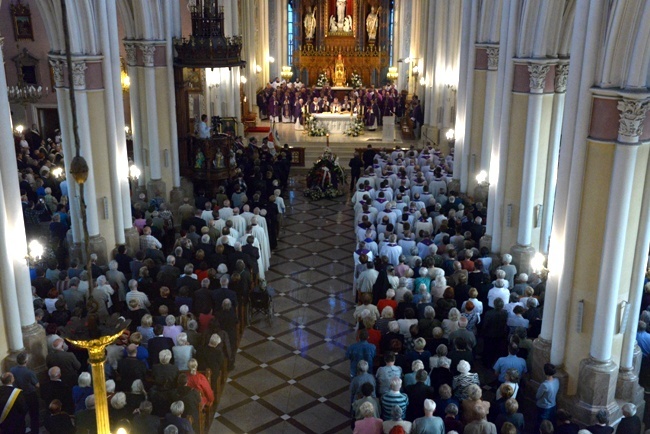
{"x": 628, "y": 388}
{"x": 130, "y": 233}
{"x": 523, "y": 251}
{"x": 561, "y": 75}
{"x": 488, "y": 112}
{"x": 176, "y": 194}
{"x": 137, "y": 123}
{"x": 404, "y": 46}
{"x": 248, "y": 54}
{"x": 465, "y": 93}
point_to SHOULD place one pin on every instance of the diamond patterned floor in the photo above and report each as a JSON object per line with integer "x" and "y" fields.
{"x": 291, "y": 375}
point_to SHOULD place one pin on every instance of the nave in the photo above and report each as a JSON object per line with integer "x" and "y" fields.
{"x": 291, "y": 376}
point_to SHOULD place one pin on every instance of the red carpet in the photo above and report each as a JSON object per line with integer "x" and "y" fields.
{"x": 258, "y": 130}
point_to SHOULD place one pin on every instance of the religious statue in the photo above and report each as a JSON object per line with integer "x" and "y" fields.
{"x": 339, "y": 71}
{"x": 372, "y": 23}
{"x": 310, "y": 22}
{"x": 200, "y": 159}
{"x": 340, "y": 22}
{"x": 218, "y": 161}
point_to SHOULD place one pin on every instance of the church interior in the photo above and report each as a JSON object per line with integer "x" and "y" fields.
{"x": 324, "y": 216}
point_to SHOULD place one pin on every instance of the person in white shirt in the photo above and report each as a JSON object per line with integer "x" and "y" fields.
{"x": 498, "y": 291}
{"x": 203, "y": 130}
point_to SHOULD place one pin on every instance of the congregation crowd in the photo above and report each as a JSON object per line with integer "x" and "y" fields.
{"x": 184, "y": 292}
{"x": 441, "y": 320}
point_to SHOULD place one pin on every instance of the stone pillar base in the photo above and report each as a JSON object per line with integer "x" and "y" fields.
{"x": 176, "y": 195}
{"x": 156, "y": 188}
{"x": 10, "y": 361}
{"x": 628, "y": 390}
{"x": 486, "y": 241}
{"x": 36, "y": 345}
{"x": 132, "y": 240}
{"x": 454, "y": 185}
{"x": 596, "y": 391}
{"x": 139, "y": 189}
{"x": 541, "y": 356}
{"x": 521, "y": 257}
{"x": 98, "y": 247}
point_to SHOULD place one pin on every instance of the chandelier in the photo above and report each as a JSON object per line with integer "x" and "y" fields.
{"x": 392, "y": 73}
{"x": 286, "y": 73}
{"x": 24, "y": 93}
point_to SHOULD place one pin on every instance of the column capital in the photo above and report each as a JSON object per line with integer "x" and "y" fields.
{"x": 537, "y": 76}
{"x": 631, "y": 117}
{"x": 493, "y": 57}
{"x": 561, "y": 77}
{"x": 57, "y": 70}
{"x": 79, "y": 74}
{"x": 130, "y": 49}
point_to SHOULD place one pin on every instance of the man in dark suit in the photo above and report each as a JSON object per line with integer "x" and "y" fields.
{"x": 144, "y": 422}
{"x": 67, "y": 362}
{"x": 158, "y": 343}
{"x": 253, "y": 252}
{"x": 191, "y": 400}
{"x": 12, "y": 398}
{"x": 187, "y": 279}
{"x": 417, "y": 393}
{"x": 54, "y": 388}
{"x": 220, "y": 294}
{"x": 202, "y": 298}
{"x": 131, "y": 368}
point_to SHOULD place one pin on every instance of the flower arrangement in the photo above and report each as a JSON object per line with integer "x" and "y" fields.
{"x": 355, "y": 79}
{"x": 356, "y": 127}
{"x": 315, "y": 129}
{"x": 322, "y": 79}
{"x": 324, "y": 178}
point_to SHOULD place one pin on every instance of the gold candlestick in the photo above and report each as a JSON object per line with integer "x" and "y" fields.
{"x": 97, "y": 352}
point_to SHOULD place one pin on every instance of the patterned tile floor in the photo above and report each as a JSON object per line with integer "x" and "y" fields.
{"x": 291, "y": 375}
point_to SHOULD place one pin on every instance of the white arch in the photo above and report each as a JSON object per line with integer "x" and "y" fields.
{"x": 128, "y": 20}
{"x": 489, "y": 21}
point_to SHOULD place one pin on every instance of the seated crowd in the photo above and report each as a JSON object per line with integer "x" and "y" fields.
{"x": 432, "y": 306}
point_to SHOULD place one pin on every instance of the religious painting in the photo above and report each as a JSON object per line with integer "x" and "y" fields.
{"x": 340, "y": 13}
{"x": 22, "y": 19}
{"x": 193, "y": 79}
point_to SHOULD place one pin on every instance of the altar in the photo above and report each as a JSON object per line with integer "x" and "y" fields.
{"x": 334, "y": 123}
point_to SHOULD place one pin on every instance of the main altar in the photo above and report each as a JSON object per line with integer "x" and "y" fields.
{"x": 342, "y": 37}
{"x": 335, "y": 123}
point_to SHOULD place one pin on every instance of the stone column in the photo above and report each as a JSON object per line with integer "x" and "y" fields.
{"x": 627, "y": 387}
{"x": 33, "y": 335}
{"x": 465, "y": 93}
{"x": 488, "y": 113}
{"x": 522, "y": 253}
{"x": 598, "y": 373}
{"x": 561, "y": 76}
{"x": 156, "y": 183}
{"x": 136, "y": 121}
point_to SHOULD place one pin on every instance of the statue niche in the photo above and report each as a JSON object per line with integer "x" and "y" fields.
{"x": 341, "y": 21}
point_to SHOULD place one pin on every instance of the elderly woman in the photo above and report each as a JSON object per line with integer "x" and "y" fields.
{"x": 512, "y": 380}
{"x": 197, "y": 381}
{"x": 387, "y": 315}
{"x": 423, "y": 279}
{"x": 421, "y": 293}
{"x": 469, "y": 312}
{"x": 410, "y": 379}
{"x": 146, "y": 329}
{"x": 463, "y": 380}
{"x": 473, "y": 297}
{"x": 165, "y": 373}
{"x": 440, "y": 357}
{"x": 428, "y": 323}
{"x": 369, "y": 424}
{"x": 469, "y": 406}
{"x": 81, "y": 391}
{"x": 171, "y": 330}
{"x": 366, "y": 304}
{"x": 438, "y": 284}
{"x": 419, "y": 353}
{"x": 396, "y": 420}
{"x": 450, "y": 324}
{"x": 183, "y": 352}
{"x": 137, "y": 395}
{"x": 103, "y": 292}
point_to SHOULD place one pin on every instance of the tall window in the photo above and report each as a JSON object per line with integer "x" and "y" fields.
{"x": 391, "y": 31}
{"x": 289, "y": 33}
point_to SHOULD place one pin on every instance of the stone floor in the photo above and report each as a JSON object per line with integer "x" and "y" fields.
{"x": 291, "y": 375}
